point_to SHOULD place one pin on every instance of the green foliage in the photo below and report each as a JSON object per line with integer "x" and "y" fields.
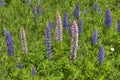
{"x": 16, "y": 13}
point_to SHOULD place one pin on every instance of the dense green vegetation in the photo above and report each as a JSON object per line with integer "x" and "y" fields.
{"x": 16, "y": 14}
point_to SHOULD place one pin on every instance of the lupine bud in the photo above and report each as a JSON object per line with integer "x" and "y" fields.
{"x": 9, "y": 43}
{"x": 65, "y": 20}
{"x": 118, "y": 25}
{"x": 19, "y": 65}
{"x": 58, "y": 30}
{"x": 108, "y": 18}
{"x": 34, "y": 72}
{"x": 1, "y": 3}
{"x": 80, "y": 26}
{"x": 95, "y": 37}
{"x": 101, "y": 54}
{"x": 77, "y": 11}
{"x": 48, "y": 42}
{"x": 96, "y": 6}
{"x": 23, "y": 40}
{"x": 28, "y": 1}
{"x": 74, "y": 45}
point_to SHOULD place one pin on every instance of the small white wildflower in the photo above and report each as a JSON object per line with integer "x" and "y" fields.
{"x": 112, "y": 49}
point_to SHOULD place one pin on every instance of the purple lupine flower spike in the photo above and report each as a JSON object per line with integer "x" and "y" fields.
{"x": 1, "y": 3}
{"x": 77, "y": 11}
{"x": 80, "y": 26}
{"x": 9, "y": 43}
{"x": 19, "y": 64}
{"x": 28, "y": 1}
{"x": 48, "y": 42}
{"x": 95, "y": 37}
{"x": 96, "y": 6}
{"x": 65, "y": 20}
{"x": 119, "y": 25}
{"x": 108, "y": 18}
{"x": 101, "y": 54}
{"x": 34, "y": 72}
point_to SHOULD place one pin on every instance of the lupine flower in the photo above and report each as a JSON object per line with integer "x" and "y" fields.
{"x": 9, "y": 43}
{"x": 65, "y": 20}
{"x": 77, "y": 11}
{"x": 34, "y": 72}
{"x": 80, "y": 26}
{"x": 108, "y": 18}
{"x": 119, "y": 26}
{"x": 19, "y": 65}
{"x": 58, "y": 29}
{"x": 28, "y": 1}
{"x": 74, "y": 45}
{"x": 95, "y": 37}
{"x": 48, "y": 42}
{"x": 101, "y": 54}
{"x": 37, "y": 9}
{"x": 23, "y": 40}
{"x": 96, "y": 6}
{"x": 1, "y": 3}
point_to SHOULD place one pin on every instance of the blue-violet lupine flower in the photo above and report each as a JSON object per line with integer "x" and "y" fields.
{"x": 101, "y": 54}
{"x": 19, "y": 64}
{"x": 80, "y": 26}
{"x": 48, "y": 42}
{"x": 95, "y": 37}
{"x": 34, "y": 72}
{"x": 119, "y": 25}
{"x": 96, "y": 6}
{"x": 77, "y": 11}
{"x": 1, "y": 3}
{"x": 74, "y": 45}
{"x": 9, "y": 43}
{"x": 65, "y": 20}
{"x": 108, "y": 18}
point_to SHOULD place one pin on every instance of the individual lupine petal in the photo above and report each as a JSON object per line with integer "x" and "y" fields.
{"x": 34, "y": 72}
{"x": 9, "y": 43}
{"x": 80, "y": 26}
{"x": 96, "y": 6}
{"x": 58, "y": 27}
{"x": 1, "y": 3}
{"x": 19, "y": 64}
{"x": 65, "y": 20}
{"x": 108, "y": 18}
{"x": 118, "y": 25}
{"x": 23, "y": 40}
{"x": 48, "y": 42}
{"x": 95, "y": 37}
{"x": 28, "y": 1}
{"x": 74, "y": 45}
{"x": 77, "y": 11}
{"x": 101, "y": 54}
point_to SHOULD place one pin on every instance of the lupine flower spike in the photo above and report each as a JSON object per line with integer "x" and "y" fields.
{"x": 74, "y": 45}
{"x": 65, "y": 21}
{"x": 9, "y": 43}
{"x": 58, "y": 30}
{"x": 19, "y": 64}
{"x": 77, "y": 11}
{"x": 48, "y": 42}
{"x": 80, "y": 26}
{"x": 101, "y": 54}
{"x": 108, "y": 18}
{"x": 119, "y": 25}
{"x": 34, "y": 72}
{"x": 95, "y": 37}
{"x": 1, "y": 3}
{"x": 23, "y": 40}
{"x": 96, "y": 6}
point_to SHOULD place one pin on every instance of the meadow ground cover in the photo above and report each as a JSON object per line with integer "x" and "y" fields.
{"x": 28, "y": 46}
